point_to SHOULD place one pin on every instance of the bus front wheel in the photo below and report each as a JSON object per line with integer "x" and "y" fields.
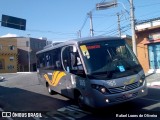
{"x": 80, "y": 101}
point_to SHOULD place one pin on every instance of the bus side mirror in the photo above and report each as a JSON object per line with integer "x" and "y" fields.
{"x": 74, "y": 49}
{"x": 74, "y": 59}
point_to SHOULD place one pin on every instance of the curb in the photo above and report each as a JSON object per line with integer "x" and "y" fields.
{"x": 153, "y": 84}
{"x": 25, "y": 72}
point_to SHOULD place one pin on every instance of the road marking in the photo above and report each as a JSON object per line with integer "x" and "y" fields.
{"x": 150, "y": 99}
{"x": 78, "y": 109}
{"x": 74, "y": 106}
{"x": 73, "y": 112}
{"x": 152, "y": 106}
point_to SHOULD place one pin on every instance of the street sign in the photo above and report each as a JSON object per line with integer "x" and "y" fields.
{"x": 13, "y": 22}
{"x": 105, "y": 5}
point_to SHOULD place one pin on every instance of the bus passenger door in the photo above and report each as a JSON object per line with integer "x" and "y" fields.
{"x": 73, "y": 68}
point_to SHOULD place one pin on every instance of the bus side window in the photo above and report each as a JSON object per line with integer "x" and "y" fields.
{"x": 76, "y": 61}
{"x": 56, "y": 60}
{"x": 40, "y": 61}
{"x": 65, "y": 59}
{"x": 72, "y": 62}
{"x": 48, "y": 60}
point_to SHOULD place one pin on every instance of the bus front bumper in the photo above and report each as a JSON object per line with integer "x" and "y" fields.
{"x": 101, "y": 100}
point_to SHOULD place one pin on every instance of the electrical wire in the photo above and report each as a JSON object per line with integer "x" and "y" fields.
{"x": 42, "y": 31}
{"x": 85, "y": 20}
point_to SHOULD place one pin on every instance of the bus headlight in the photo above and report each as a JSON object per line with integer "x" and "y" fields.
{"x": 142, "y": 80}
{"x": 100, "y": 88}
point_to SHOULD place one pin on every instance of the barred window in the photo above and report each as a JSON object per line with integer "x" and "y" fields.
{"x": 11, "y": 58}
{"x": 11, "y": 47}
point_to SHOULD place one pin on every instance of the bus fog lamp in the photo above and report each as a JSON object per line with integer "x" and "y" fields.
{"x": 142, "y": 91}
{"x": 107, "y": 100}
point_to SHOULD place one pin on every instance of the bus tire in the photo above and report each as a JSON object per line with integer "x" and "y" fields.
{"x": 50, "y": 91}
{"x": 79, "y": 100}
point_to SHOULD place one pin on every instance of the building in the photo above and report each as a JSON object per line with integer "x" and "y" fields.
{"x": 148, "y": 44}
{"x": 128, "y": 39}
{"x": 8, "y": 55}
{"x": 27, "y": 48}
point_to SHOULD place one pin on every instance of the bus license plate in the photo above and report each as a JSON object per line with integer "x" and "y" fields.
{"x": 129, "y": 95}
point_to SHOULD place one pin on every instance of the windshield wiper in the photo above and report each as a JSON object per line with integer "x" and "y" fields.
{"x": 106, "y": 74}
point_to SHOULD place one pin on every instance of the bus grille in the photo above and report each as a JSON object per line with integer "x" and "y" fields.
{"x": 125, "y": 98}
{"x": 123, "y": 88}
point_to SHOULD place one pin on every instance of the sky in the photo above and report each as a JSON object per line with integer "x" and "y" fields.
{"x": 59, "y": 20}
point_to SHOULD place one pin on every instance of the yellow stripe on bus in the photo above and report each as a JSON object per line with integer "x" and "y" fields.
{"x": 52, "y": 81}
{"x": 46, "y": 77}
{"x": 56, "y": 76}
{"x": 60, "y": 75}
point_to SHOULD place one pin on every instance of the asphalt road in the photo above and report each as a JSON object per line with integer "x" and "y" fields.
{"x": 22, "y": 93}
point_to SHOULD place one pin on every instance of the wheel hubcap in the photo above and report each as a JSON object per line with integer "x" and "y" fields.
{"x": 49, "y": 89}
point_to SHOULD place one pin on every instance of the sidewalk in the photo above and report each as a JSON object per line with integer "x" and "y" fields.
{"x": 153, "y": 79}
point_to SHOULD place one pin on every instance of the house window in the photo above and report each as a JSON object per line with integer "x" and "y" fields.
{"x": 154, "y": 36}
{"x": 1, "y": 64}
{"x": 11, "y": 58}
{"x": 11, "y": 47}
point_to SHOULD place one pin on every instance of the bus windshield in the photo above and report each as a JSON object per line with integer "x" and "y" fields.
{"x": 109, "y": 59}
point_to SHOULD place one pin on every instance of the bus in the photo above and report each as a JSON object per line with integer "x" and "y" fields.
{"x": 96, "y": 71}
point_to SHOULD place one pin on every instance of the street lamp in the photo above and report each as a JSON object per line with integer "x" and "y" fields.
{"x": 105, "y": 5}
{"x": 29, "y": 64}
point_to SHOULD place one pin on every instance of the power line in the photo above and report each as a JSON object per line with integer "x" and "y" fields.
{"x": 103, "y": 16}
{"x": 115, "y": 30}
{"x": 150, "y": 13}
{"x": 43, "y": 31}
{"x": 85, "y": 20}
{"x": 145, "y": 21}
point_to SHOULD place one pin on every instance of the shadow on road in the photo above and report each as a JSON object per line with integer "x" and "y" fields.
{"x": 15, "y": 99}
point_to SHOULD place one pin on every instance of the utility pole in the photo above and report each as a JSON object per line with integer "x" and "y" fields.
{"x": 133, "y": 27}
{"x": 119, "y": 26}
{"x": 102, "y": 6}
{"x": 91, "y": 24}
{"x": 29, "y": 64}
{"x": 79, "y": 34}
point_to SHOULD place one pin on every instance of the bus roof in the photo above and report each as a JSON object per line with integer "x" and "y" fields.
{"x": 77, "y": 41}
